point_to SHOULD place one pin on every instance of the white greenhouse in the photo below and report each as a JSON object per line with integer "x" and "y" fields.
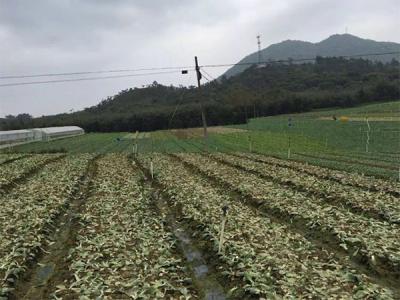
{"x": 16, "y": 136}
{"x": 50, "y": 133}
{"x": 11, "y": 137}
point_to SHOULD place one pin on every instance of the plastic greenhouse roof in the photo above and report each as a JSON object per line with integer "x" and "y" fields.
{"x": 50, "y": 130}
{"x": 7, "y": 132}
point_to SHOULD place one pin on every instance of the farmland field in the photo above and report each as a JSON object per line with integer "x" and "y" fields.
{"x": 269, "y": 211}
{"x": 148, "y": 226}
{"x": 313, "y": 137}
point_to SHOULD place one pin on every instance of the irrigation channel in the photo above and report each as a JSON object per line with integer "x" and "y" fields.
{"x": 204, "y": 273}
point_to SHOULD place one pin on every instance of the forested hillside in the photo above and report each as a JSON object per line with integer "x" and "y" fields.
{"x": 335, "y": 45}
{"x": 270, "y": 90}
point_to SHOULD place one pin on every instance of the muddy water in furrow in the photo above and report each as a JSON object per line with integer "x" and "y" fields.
{"x": 204, "y": 275}
{"x": 204, "y": 278}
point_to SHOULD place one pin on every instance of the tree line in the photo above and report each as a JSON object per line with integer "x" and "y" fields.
{"x": 265, "y": 90}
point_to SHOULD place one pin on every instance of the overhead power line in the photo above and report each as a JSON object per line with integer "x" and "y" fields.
{"x": 86, "y": 78}
{"x": 170, "y": 70}
{"x": 204, "y": 76}
{"x": 296, "y": 60}
{"x": 208, "y": 74}
{"x": 92, "y": 72}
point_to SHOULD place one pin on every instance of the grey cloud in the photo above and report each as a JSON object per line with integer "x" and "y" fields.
{"x": 44, "y": 36}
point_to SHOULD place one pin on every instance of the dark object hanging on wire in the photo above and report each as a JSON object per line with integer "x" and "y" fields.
{"x": 184, "y": 71}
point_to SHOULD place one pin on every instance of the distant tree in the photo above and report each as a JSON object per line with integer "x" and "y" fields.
{"x": 275, "y": 89}
{"x": 24, "y": 117}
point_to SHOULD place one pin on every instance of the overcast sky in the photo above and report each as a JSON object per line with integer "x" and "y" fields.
{"x": 56, "y": 36}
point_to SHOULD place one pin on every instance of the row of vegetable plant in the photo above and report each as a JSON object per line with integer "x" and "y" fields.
{"x": 377, "y": 157}
{"x": 19, "y": 168}
{"x": 376, "y": 242}
{"x": 123, "y": 250}
{"x": 346, "y": 178}
{"x": 376, "y": 204}
{"x": 264, "y": 258}
{"x": 28, "y": 212}
{"x": 10, "y": 157}
{"x": 349, "y": 166}
{"x": 355, "y": 160}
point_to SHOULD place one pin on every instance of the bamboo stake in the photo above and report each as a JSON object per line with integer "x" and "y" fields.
{"x": 367, "y": 142}
{"x": 221, "y": 236}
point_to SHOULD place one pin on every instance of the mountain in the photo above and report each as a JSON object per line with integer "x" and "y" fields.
{"x": 335, "y": 45}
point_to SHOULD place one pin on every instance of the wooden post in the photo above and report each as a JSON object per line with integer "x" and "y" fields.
{"x": 151, "y": 170}
{"x": 288, "y": 132}
{"x": 134, "y": 149}
{"x": 399, "y": 173}
{"x": 203, "y": 113}
{"x": 225, "y": 209}
{"x": 367, "y": 141}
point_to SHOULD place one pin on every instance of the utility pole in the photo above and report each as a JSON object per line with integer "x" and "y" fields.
{"x": 259, "y": 48}
{"x": 203, "y": 113}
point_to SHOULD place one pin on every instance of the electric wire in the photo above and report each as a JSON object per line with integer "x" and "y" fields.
{"x": 204, "y": 76}
{"x": 298, "y": 60}
{"x": 208, "y": 74}
{"x": 92, "y": 72}
{"x": 175, "y": 110}
{"x": 169, "y": 70}
{"x": 182, "y": 67}
{"x": 85, "y": 79}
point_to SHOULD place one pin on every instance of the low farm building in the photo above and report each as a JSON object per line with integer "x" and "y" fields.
{"x": 50, "y": 133}
{"x": 10, "y": 137}
{"x": 16, "y": 136}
